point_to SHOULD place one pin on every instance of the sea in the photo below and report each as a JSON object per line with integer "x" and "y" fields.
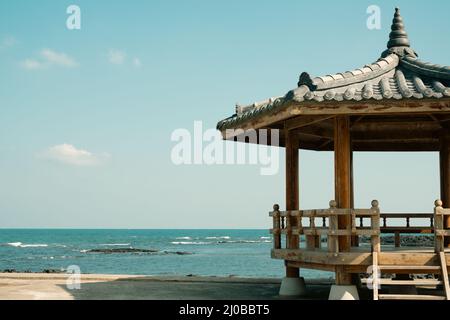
{"x": 222, "y": 253}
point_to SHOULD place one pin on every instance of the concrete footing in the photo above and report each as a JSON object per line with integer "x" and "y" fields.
{"x": 292, "y": 287}
{"x": 340, "y": 292}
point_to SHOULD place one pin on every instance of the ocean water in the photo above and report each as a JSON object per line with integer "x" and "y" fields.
{"x": 243, "y": 253}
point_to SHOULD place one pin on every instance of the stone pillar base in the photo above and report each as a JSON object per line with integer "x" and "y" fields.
{"x": 292, "y": 287}
{"x": 339, "y": 292}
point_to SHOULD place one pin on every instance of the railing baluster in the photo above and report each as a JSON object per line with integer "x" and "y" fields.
{"x": 407, "y": 221}
{"x": 276, "y": 227}
{"x": 332, "y": 239}
{"x": 288, "y": 230}
{"x": 300, "y": 228}
{"x": 439, "y": 226}
{"x": 375, "y": 226}
{"x": 361, "y": 222}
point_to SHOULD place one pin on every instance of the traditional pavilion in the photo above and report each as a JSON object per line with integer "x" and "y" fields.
{"x": 398, "y": 103}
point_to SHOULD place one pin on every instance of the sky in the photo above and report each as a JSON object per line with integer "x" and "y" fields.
{"x": 86, "y": 116}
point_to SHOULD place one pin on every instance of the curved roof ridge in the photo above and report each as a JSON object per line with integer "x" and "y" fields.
{"x": 368, "y": 72}
{"x": 426, "y": 68}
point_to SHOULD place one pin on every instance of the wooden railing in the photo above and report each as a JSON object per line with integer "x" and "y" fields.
{"x": 282, "y": 224}
{"x": 328, "y": 225}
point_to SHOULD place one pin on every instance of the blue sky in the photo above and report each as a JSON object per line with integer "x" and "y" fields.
{"x": 137, "y": 70}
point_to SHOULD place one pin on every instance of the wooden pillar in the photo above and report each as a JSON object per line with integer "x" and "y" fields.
{"x": 292, "y": 193}
{"x": 444, "y": 160}
{"x": 342, "y": 180}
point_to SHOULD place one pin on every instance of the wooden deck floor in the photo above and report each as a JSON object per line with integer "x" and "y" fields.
{"x": 359, "y": 259}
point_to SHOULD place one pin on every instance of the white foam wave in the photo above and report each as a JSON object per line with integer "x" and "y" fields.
{"x": 244, "y": 241}
{"x": 190, "y": 242}
{"x": 183, "y": 238}
{"x": 22, "y": 245}
{"x": 115, "y": 244}
{"x": 14, "y": 244}
{"x": 222, "y": 237}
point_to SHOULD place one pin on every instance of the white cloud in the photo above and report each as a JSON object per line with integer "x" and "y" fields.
{"x": 69, "y": 154}
{"x": 137, "y": 62}
{"x": 116, "y": 56}
{"x": 31, "y": 64}
{"x": 8, "y": 42}
{"x": 49, "y": 57}
{"x": 119, "y": 57}
{"x": 58, "y": 58}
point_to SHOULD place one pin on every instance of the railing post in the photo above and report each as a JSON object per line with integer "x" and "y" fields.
{"x": 438, "y": 226}
{"x": 375, "y": 225}
{"x": 397, "y": 241}
{"x": 355, "y": 237}
{"x": 333, "y": 240}
{"x": 276, "y": 227}
{"x": 289, "y": 242}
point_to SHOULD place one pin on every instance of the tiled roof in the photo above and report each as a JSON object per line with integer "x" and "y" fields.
{"x": 398, "y": 74}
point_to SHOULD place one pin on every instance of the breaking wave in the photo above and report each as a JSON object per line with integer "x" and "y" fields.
{"x": 190, "y": 242}
{"x": 22, "y": 245}
{"x": 222, "y": 237}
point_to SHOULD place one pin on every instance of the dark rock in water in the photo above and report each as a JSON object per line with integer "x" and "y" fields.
{"x": 9, "y": 271}
{"x": 136, "y": 250}
{"x": 123, "y": 250}
{"x": 177, "y": 252}
{"x": 29, "y": 271}
{"x": 182, "y": 253}
{"x": 52, "y": 271}
{"x": 16, "y": 271}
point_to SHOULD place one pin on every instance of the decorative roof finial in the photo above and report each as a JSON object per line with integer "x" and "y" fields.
{"x": 398, "y": 38}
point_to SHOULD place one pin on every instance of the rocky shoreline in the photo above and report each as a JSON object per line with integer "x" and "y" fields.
{"x": 405, "y": 240}
{"x": 29, "y": 271}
